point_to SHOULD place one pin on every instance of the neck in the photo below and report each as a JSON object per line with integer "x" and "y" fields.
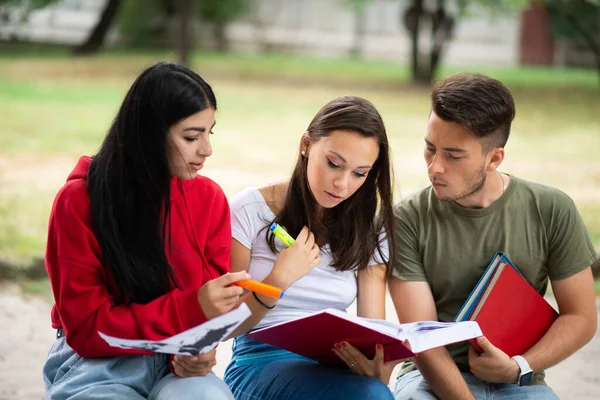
{"x": 492, "y": 190}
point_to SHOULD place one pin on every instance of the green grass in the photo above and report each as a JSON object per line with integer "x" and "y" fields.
{"x": 300, "y": 68}
{"x": 54, "y": 108}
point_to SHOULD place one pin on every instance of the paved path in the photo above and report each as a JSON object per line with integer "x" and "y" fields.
{"x": 27, "y": 336}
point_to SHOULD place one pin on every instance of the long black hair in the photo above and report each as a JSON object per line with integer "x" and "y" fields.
{"x": 129, "y": 180}
{"x": 353, "y": 227}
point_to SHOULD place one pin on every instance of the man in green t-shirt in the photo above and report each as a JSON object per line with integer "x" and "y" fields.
{"x": 447, "y": 234}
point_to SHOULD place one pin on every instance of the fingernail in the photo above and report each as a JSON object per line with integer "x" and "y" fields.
{"x": 337, "y": 345}
{"x": 379, "y": 346}
{"x": 344, "y": 344}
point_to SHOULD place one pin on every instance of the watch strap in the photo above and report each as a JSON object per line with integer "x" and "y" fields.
{"x": 523, "y": 366}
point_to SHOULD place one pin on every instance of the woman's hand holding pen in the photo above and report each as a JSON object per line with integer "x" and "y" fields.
{"x": 296, "y": 261}
{"x": 217, "y": 296}
{"x": 361, "y": 365}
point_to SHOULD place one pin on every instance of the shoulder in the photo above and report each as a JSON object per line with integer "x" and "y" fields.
{"x": 245, "y": 198}
{"x": 72, "y": 197}
{"x": 548, "y": 197}
{"x": 208, "y": 186}
{"x": 206, "y": 191}
{"x": 414, "y": 204}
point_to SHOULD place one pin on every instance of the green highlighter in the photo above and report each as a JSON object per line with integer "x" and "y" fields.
{"x": 282, "y": 234}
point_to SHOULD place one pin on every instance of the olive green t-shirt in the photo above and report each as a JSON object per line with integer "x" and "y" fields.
{"x": 449, "y": 246}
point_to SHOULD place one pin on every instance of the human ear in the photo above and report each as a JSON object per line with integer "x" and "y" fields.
{"x": 496, "y": 158}
{"x": 304, "y": 144}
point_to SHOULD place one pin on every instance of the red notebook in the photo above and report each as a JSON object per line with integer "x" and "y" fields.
{"x": 510, "y": 312}
{"x": 313, "y": 336}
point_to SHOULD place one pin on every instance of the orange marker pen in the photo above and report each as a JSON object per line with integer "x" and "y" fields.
{"x": 262, "y": 288}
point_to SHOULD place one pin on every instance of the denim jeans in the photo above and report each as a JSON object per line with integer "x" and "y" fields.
{"x": 70, "y": 376}
{"x": 414, "y": 387}
{"x": 260, "y": 371}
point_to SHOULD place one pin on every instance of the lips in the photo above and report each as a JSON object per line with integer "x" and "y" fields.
{"x": 436, "y": 183}
{"x": 197, "y": 167}
{"x": 334, "y": 197}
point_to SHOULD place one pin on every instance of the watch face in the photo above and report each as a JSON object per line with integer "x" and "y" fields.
{"x": 526, "y": 378}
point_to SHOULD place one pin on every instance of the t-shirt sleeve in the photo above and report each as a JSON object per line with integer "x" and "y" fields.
{"x": 382, "y": 253}
{"x": 243, "y": 224}
{"x": 570, "y": 249}
{"x": 407, "y": 262}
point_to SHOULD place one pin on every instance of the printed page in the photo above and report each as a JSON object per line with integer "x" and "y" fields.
{"x": 198, "y": 340}
{"x": 422, "y": 335}
{"x": 426, "y": 335}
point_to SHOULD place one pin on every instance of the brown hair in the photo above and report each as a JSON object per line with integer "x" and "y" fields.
{"x": 482, "y": 105}
{"x": 351, "y": 228}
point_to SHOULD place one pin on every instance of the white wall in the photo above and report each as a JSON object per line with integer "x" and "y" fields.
{"x": 314, "y": 27}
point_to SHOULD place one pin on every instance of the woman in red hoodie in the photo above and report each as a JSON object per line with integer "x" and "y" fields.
{"x": 139, "y": 247}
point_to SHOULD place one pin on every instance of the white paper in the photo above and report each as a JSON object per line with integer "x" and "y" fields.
{"x": 198, "y": 340}
{"x": 422, "y": 335}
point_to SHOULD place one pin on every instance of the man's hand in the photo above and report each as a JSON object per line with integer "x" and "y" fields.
{"x": 492, "y": 365}
{"x": 199, "y": 365}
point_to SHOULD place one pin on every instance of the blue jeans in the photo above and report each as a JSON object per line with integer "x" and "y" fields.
{"x": 70, "y": 376}
{"x": 414, "y": 387}
{"x": 260, "y": 371}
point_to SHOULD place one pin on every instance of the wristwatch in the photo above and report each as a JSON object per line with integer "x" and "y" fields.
{"x": 526, "y": 374}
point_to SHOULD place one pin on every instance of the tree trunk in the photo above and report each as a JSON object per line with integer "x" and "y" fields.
{"x": 412, "y": 19}
{"x": 589, "y": 39}
{"x": 96, "y": 39}
{"x": 359, "y": 33}
{"x": 219, "y": 30}
{"x": 183, "y": 32}
{"x": 440, "y": 30}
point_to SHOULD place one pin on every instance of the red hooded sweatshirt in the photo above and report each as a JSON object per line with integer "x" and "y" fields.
{"x": 198, "y": 249}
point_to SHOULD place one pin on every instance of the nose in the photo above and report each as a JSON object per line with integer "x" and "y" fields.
{"x": 341, "y": 182}
{"x": 204, "y": 148}
{"x": 435, "y": 166}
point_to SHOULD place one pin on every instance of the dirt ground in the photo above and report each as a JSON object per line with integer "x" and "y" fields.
{"x": 28, "y": 336}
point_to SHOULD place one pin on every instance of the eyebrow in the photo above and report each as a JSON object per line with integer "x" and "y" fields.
{"x": 452, "y": 149}
{"x": 200, "y": 129}
{"x": 344, "y": 160}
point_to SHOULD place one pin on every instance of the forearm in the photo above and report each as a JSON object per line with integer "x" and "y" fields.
{"x": 442, "y": 375}
{"x": 258, "y": 310}
{"x": 567, "y": 335}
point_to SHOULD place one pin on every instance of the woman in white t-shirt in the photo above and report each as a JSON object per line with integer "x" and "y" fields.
{"x": 342, "y": 178}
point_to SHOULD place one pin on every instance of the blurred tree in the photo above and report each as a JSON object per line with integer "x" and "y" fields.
{"x": 219, "y": 13}
{"x": 578, "y": 21}
{"x": 152, "y": 22}
{"x": 441, "y": 23}
{"x": 358, "y": 8}
{"x": 95, "y": 40}
{"x": 145, "y": 23}
{"x": 20, "y": 8}
{"x": 575, "y": 19}
{"x": 183, "y": 36}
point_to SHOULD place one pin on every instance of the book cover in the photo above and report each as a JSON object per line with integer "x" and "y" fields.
{"x": 313, "y": 336}
{"x": 510, "y": 312}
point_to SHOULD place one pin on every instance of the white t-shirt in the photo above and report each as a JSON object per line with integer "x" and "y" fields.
{"x": 321, "y": 288}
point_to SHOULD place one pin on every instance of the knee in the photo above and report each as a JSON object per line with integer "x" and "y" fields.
{"x": 372, "y": 389}
{"x": 207, "y": 387}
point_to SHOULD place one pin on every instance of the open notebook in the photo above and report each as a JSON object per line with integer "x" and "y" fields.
{"x": 313, "y": 336}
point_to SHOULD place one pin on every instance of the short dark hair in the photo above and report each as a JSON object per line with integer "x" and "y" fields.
{"x": 482, "y": 105}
